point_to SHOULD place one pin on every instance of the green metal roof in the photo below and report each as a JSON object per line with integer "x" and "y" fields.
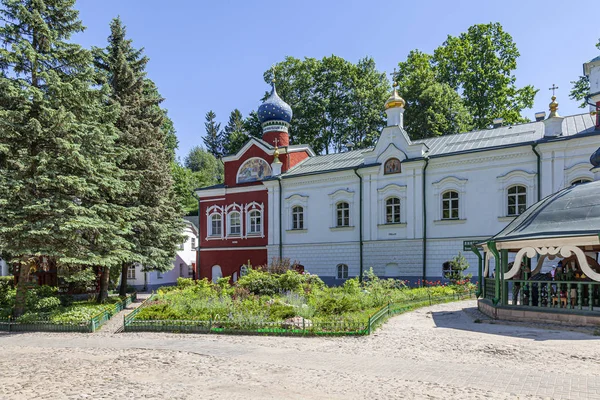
{"x": 482, "y": 140}
{"x": 574, "y": 211}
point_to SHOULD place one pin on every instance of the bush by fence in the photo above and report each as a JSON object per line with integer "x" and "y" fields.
{"x": 47, "y": 325}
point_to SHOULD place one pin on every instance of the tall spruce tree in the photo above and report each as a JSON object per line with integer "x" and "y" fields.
{"x": 213, "y": 140}
{"x": 58, "y": 179}
{"x": 235, "y": 136}
{"x": 151, "y": 203}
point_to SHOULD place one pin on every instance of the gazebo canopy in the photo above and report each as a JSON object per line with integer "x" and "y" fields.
{"x": 574, "y": 211}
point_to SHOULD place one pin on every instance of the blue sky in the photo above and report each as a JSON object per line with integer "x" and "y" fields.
{"x": 211, "y": 54}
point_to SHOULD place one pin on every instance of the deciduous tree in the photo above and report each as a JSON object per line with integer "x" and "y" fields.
{"x": 581, "y": 87}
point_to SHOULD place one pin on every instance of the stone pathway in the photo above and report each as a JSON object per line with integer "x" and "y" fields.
{"x": 115, "y": 324}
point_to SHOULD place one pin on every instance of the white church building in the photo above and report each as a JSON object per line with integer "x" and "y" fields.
{"x": 405, "y": 207}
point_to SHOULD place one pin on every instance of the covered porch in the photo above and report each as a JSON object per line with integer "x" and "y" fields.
{"x": 544, "y": 265}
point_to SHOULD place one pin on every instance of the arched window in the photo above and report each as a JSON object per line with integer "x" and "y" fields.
{"x": 216, "y": 273}
{"x": 235, "y": 224}
{"x": 243, "y": 271}
{"x": 297, "y": 217}
{"x": 580, "y": 181}
{"x": 254, "y": 222}
{"x": 392, "y": 166}
{"x": 216, "y": 225}
{"x": 343, "y": 214}
{"x": 450, "y": 205}
{"x": 342, "y": 271}
{"x": 517, "y": 200}
{"x": 392, "y": 210}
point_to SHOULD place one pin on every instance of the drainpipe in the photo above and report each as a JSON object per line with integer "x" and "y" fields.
{"x": 425, "y": 222}
{"x": 539, "y": 177}
{"x": 360, "y": 224}
{"x": 280, "y": 218}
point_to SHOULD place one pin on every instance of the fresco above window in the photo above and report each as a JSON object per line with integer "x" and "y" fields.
{"x": 255, "y": 169}
{"x": 392, "y": 166}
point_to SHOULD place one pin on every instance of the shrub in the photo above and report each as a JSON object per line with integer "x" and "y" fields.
{"x": 260, "y": 283}
{"x": 457, "y": 266}
{"x": 184, "y": 282}
{"x": 7, "y": 282}
{"x": 47, "y": 304}
{"x": 279, "y": 311}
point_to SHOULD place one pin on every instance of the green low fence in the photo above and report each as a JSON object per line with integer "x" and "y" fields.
{"x": 308, "y": 328}
{"x": 45, "y": 325}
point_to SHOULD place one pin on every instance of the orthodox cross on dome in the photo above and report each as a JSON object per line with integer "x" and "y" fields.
{"x": 394, "y": 76}
{"x": 276, "y": 141}
{"x": 273, "y": 73}
{"x": 553, "y": 88}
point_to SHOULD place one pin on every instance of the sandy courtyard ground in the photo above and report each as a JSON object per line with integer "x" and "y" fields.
{"x": 433, "y": 353}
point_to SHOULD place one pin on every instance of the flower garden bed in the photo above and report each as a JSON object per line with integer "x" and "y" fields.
{"x": 284, "y": 304}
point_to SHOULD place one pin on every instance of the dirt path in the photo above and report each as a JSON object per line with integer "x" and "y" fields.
{"x": 437, "y": 352}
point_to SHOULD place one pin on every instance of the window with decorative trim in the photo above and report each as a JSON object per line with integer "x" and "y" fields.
{"x": 516, "y": 200}
{"x": 450, "y": 205}
{"x": 234, "y": 224}
{"x": 243, "y": 270}
{"x": 297, "y": 217}
{"x": 580, "y": 181}
{"x": 392, "y": 210}
{"x": 342, "y": 271}
{"x": 216, "y": 225}
{"x": 342, "y": 214}
{"x": 131, "y": 272}
{"x": 254, "y": 222}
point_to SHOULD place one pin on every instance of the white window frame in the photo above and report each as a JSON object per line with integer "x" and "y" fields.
{"x": 342, "y": 213}
{"x": 580, "y": 170}
{"x": 190, "y": 269}
{"x": 210, "y": 212}
{"x": 297, "y": 223}
{"x": 448, "y": 199}
{"x": 342, "y": 196}
{"x": 230, "y": 225}
{"x": 579, "y": 181}
{"x": 159, "y": 275}
{"x": 510, "y": 179}
{"x": 296, "y": 200}
{"x": 131, "y": 272}
{"x": 516, "y": 196}
{"x": 394, "y": 209}
{"x": 450, "y": 183}
{"x": 342, "y": 271}
{"x": 249, "y": 209}
{"x": 229, "y": 211}
{"x": 385, "y": 193}
{"x": 193, "y": 240}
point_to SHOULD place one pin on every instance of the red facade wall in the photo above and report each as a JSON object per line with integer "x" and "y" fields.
{"x": 223, "y": 201}
{"x": 283, "y": 139}
{"x": 230, "y": 261}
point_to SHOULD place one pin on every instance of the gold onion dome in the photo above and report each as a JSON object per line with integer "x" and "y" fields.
{"x": 394, "y": 100}
{"x": 553, "y": 107}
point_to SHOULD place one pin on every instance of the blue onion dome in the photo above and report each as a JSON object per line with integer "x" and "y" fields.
{"x": 274, "y": 109}
{"x": 595, "y": 158}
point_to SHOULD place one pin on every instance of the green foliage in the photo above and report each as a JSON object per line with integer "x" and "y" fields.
{"x": 458, "y": 264}
{"x": 479, "y": 64}
{"x": 334, "y": 101}
{"x": 235, "y": 136}
{"x": 200, "y": 169}
{"x": 213, "y": 139}
{"x": 279, "y": 311}
{"x": 467, "y": 83}
{"x": 259, "y": 283}
{"x": 581, "y": 87}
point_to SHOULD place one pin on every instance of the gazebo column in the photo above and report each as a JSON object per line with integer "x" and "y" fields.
{"x": 504, "y": 269}
{"x": 494, "y": 251}
{"x": 479, "y": 270}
